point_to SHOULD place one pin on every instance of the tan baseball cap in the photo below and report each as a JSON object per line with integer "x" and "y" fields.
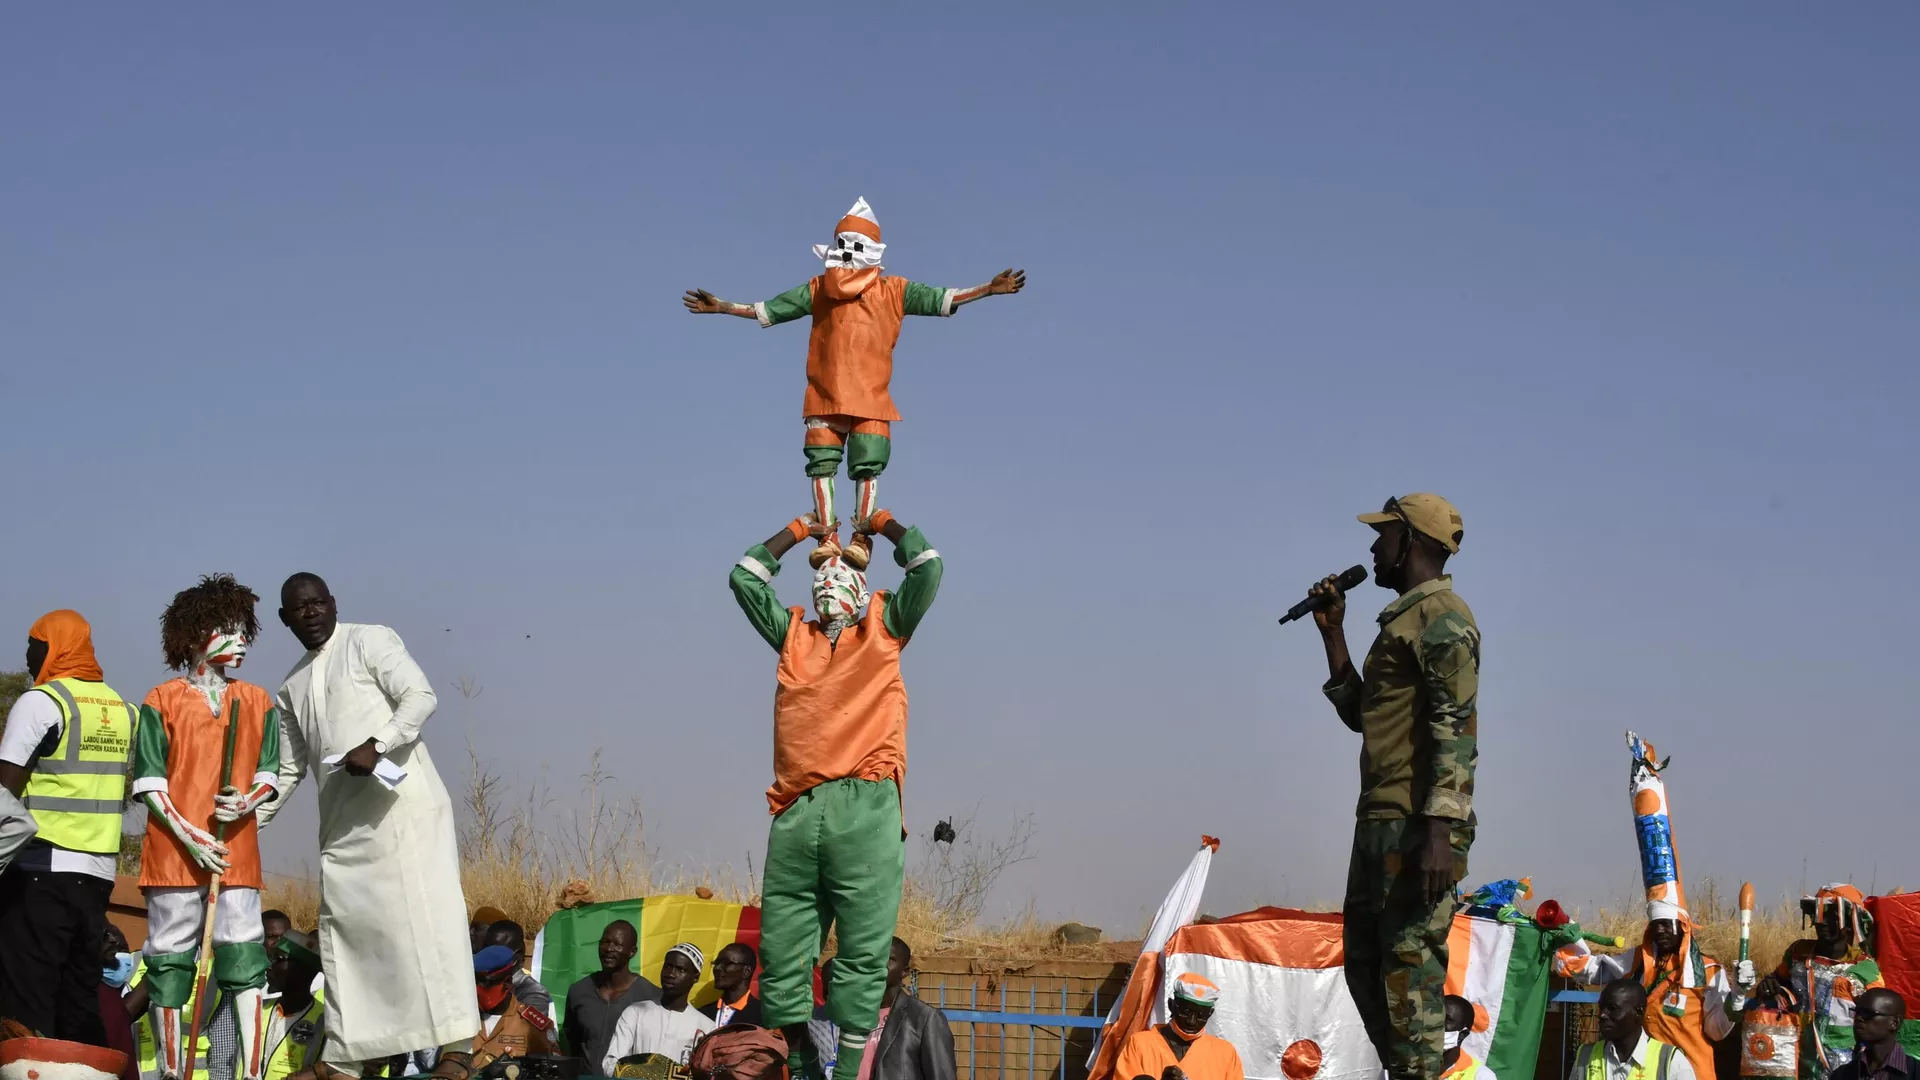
{"x": 1427, "y": 514}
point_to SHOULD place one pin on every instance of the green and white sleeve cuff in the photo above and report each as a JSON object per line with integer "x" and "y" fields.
{"x": 946, "y": 300}
{"x": 148, "y": 783}
{"x": 760, "y": 313}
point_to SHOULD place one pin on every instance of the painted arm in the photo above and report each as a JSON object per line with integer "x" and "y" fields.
{"x": 1004, "y": 283}
{"x": 752, "y": 581}
{"x": 293, "y": 762}
{"x": 150, "y": 786}
{"x": 786, "y": 307}
{"x": 232, "y": 804}
{"x": 911, "y": 552}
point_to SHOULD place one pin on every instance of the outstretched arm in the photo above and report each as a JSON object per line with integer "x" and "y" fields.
{"x": 752, "y": 581}
{"x": 933, "y": 300}
{"x": 910, "y": 602}
{"x": 786, "y": 307}
{"x": 1004, "y": 283}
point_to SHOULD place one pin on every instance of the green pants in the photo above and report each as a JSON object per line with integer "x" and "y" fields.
{"x": 1396, "y": 946}
{"x": 835, "y": 859}
{"x": 866, "y": 456}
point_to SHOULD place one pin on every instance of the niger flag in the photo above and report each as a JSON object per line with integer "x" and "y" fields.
{"x": 568, "y": 947}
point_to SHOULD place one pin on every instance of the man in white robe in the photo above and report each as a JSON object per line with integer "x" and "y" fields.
{"x": 393, "y": 935}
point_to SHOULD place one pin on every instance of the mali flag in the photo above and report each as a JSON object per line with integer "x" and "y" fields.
{"x": 568, "y": 947}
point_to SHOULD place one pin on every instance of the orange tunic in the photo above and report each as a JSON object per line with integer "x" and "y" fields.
{"x": 196, "y": 739}
{"x": 840, "y": 710}
{"x": 1146, "y": 1053}
{"x": 850, "y": 351}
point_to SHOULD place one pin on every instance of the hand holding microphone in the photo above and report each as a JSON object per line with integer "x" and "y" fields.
{"x": 1327, "y": 600}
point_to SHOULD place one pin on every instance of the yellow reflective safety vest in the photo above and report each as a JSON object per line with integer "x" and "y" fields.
{"x": 293, "y": 1042}
{"x": 1465, "y": 1067}
{"x": 1657, "y": 1060}
{"x": 76, "y": 792}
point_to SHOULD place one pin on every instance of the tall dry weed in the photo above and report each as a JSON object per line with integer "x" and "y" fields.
{"x": 1718, "y": 918}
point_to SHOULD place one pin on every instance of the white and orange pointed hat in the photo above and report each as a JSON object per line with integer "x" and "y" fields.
{"x": 52, "y": 1059}
{"x": 860, "y": 220}
{"x": 859, "y": 223}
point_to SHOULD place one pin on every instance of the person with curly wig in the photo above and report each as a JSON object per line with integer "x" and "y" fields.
{"x": 179, "y": 749}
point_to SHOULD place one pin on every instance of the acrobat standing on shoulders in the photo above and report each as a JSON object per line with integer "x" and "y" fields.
{"x": 857, "y": 312}
{"x": 179, "y": 750}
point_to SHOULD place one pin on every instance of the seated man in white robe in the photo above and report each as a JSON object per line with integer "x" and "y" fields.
{"x": 668, "y": 1027}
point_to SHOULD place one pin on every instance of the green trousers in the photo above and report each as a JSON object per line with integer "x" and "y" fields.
{"x": 835, "y": 858}
{"x": 866, "y": 457}
{"x": 1396, "y": 946}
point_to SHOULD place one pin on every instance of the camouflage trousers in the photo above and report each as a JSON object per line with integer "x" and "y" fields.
{"x": 1396, "y": 946}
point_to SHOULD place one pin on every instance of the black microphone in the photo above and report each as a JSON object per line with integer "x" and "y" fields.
{"x": 1354, "y": 576}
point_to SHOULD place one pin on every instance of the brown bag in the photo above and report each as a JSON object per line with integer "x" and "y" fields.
{"x": 740, "y": 1052}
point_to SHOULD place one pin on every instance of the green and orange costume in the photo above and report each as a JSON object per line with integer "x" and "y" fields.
{"x": 836, "y": 850}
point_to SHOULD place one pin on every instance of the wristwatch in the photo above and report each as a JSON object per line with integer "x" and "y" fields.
{"x": 379, "y": 747}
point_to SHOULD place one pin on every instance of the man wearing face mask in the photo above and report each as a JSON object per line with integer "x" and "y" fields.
{"x": 1181, "y": 1049}
{"x": 117, "y": 962}
{"x": 1414, "y": 707}
{"x": 180, "y": 749}
{"x": 857, "y": 314}
{"x": 835, "y": 852}
{"x": 64, "y": 755}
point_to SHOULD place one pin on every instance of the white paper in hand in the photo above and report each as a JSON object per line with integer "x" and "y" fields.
{"x": 383, "y": 770}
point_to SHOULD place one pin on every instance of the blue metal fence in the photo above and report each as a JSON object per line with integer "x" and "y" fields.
{"x": 1032, "y": 1018}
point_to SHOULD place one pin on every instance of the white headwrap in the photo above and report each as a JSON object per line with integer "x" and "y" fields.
{"x": 851, "y": 250}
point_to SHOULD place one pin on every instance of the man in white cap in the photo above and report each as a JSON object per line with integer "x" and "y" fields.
{"x": 668, "y": 1027}
{"x": 1181, "y": 1045}
{"x": 857, "y": 314}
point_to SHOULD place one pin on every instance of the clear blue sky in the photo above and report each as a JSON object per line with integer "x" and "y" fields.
{"x": 392, "y": 294}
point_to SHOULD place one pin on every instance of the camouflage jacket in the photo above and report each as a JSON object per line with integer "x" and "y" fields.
{"x": 1413, "y": 705}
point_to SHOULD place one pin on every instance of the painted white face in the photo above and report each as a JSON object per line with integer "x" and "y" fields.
{"x": 839, "y": 591}
{"x": 851, "y": 251}
{"x": 227, "y": 648}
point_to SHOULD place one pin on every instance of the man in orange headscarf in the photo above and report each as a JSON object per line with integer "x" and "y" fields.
{"x": 64, "y": 754}
{"x": 856, "y": 314}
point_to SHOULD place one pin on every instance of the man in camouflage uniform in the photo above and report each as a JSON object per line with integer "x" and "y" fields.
{"x": 1413, "y": 705}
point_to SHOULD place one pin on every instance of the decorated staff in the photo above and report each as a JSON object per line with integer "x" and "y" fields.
{"x": 1690, "y": 1003}
{"x": 193, "y": 732}
{"x": 857, "y": 313}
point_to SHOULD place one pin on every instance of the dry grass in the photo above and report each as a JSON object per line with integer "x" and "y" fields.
{"x": 528, "y": 859}
{"x": 521, "y": 855}
{"x": 1719, "y": 926}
